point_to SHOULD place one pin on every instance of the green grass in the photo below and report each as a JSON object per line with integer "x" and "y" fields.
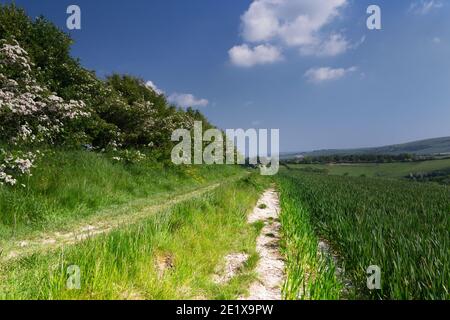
{"x": 309, "y": 274}
{"x": 384, "y": 170}
{"x": 403, "y": 227}
{"x": 192, "y": 238}
{"x": 73, "y": 185}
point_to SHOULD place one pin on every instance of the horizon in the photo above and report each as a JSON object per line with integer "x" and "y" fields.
{"x": 331, "y": 84}
{"x": 364, "y": 147}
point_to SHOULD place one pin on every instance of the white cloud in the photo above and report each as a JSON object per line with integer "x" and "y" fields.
{"x": 181, "y": 99}
{"x": 245, "y": 56}
{"x": 295, "y": 23}
{"x": 152, "y": 86}
{"x": 425, "y": 6}
{"x": 437, "y": 40}
{"x": 318, "y": 75}
{"x": 260, "y": 22}
{"x": 333, "y": 46}
{"x": 187, "y": 100}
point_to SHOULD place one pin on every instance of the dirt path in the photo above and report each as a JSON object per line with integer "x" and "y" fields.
{"x": 101, "y": 225}
{"x": 270, "y": 267}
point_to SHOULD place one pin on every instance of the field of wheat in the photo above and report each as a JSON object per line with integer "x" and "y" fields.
{"x": 402, "y": 227}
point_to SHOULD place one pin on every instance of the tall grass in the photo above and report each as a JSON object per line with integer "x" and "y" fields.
{"x": 75, "y": 184}
{"x": 310, "y": 274}
{"x": 402, "y": 227}
{"x": 172, "y": 255}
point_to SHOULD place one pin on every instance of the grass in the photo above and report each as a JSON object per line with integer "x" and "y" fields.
{"x": 384, "y": 170}
{"x": 309, "y": 274}
{"x": 399, "y": 226}
{"x": 73, "y": 185}
{"x": 172, "y": 255}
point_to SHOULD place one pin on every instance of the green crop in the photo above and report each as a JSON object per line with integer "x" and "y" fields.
{"x": 402, "y": 227}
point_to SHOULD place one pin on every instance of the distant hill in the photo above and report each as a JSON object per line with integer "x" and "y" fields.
{"x": 436, "y": 146}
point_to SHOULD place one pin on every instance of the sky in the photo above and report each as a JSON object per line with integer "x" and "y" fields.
{"x": 310, "y": 68}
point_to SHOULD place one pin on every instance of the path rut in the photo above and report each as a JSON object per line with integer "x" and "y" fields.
{"x": 54, "y": 240}
{"x": 270, "y": 268}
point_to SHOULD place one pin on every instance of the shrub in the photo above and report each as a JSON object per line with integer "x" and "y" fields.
{"x": 47, "y": 101}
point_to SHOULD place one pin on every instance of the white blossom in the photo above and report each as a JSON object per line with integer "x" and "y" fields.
{"x": 29, "y": 112}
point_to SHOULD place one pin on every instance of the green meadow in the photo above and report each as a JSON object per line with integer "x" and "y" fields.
{"x": 382, "y": 170}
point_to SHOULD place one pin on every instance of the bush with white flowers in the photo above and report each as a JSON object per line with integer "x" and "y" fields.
{"x": 48, "y": 100}
{"x": 29, "y": 113}
{"x": 14, "y": 164}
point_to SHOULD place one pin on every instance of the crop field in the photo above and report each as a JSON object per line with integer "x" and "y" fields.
{"x": 402, "y": 227}
{"x": 384, "y": 170}
{"x": 309, "y": 276}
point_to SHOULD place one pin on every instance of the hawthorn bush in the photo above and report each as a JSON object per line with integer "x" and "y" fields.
{"x": 48, "y": 100}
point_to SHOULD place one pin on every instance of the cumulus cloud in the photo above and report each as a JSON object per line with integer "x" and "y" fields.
{"x": 152, "y": 86}
{"x": 319, "y": 75}
{"x": 246, "y": 56}
{"x": 187, "y": 100}
{"x": 423, "y": 7}
{"x": 180, "y": 99}
{"x": 294, "y": 23}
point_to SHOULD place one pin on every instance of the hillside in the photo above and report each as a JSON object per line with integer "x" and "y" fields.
{"x": 436, "y": 146}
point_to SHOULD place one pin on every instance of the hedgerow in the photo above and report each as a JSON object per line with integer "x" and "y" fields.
{"x": 48, "y": 100}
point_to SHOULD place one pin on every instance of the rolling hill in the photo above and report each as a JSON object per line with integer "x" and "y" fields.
{"x": 436, "y": 146}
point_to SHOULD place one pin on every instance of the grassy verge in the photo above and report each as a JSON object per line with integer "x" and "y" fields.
{"x": 171, "y": 255}
{"x": 70, "y": 186}
{"x": 400, "y": 226}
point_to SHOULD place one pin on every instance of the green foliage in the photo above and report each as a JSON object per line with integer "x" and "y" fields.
{"x": 48, "y": 46}
{"x": 358, "y": 158}
{"x": 124, "y": 112}
{"x": 439, "y": 176}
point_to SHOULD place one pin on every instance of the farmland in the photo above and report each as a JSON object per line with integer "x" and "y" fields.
{"x": 400, "y": 226}
{"x": 384, "y": 170}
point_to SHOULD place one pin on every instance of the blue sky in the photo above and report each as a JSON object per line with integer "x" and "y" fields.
{"x": 308, "y": 67}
